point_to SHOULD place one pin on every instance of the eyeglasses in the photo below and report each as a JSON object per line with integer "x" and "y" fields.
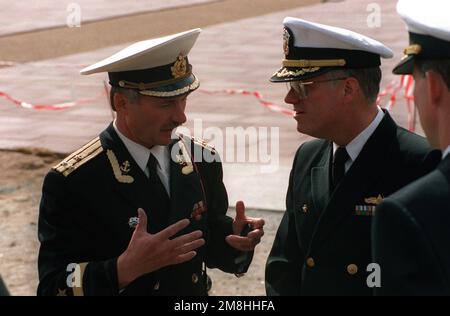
{"x": 300, "y": 87}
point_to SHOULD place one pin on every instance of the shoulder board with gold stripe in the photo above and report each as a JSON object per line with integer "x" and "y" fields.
{"x": 203, "y": 143}
{"x": 79, "y": 157}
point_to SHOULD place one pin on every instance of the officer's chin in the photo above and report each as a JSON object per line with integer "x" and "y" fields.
{"x": 166, "y": 137}
{"x": 300, "y": 128}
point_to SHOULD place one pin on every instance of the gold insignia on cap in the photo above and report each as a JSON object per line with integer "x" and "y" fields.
{"x": 414, "y": 49}
{"x": 289, "y": 73}
{"x": 286, "y": 38}
{"x": 374, "y": 200}
{"x": 122, "y": 178}
{"x": 180, "y": 68}
{"x": 141, "y": 86}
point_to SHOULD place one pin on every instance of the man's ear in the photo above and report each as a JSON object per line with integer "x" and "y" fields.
{"x": 435, "y": 88}
{"x": 351, "y": 88}
{"x": 120, "y": 102}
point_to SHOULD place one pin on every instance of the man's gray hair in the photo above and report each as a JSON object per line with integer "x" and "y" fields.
{"x": 369, "y": 80}
{"x": 132, "y": 95}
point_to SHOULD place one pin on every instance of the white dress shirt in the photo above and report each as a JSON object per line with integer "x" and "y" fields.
{"x": 446, "y": 152}
{"x": 141, "y": 155}
{"x": 355, "y": 147}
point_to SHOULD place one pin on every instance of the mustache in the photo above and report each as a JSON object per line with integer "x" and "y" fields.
{"x": 171, "y": 126}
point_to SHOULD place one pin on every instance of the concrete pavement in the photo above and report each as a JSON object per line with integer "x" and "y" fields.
{"x": 236, "y": 55}
{"x": 45, "y": 14}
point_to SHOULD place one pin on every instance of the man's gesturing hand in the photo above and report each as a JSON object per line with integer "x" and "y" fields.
{"x": 147, "y": 253}
{"x": 253, "y": 238}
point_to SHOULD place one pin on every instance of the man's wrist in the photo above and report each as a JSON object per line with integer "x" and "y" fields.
{"x": 124, "y": 276}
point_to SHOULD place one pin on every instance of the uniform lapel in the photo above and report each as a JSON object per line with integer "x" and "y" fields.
{"x": 356, "y": 183}
{"x": 129, "y": 180}
{"x": 320, "y": 180}
{"x": 185, "y": 188}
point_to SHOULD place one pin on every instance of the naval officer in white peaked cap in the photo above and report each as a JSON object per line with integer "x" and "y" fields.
{"x": 323, "y": 243}
{"x": 135, "y": 212}
{"x": 157, "y": 67}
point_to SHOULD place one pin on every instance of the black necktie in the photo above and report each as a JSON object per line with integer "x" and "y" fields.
{"x": 161, "y": 203}
{"x": 340, "y": 158}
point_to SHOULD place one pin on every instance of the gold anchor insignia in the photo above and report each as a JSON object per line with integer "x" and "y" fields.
{"x": 188, "y": 168}
{"x": 374, "y": 200}
{"x": 117, "y": 169}
{"x": 179, "y": 69}
{"x": 180, "y": 160}
{"x": 125, "y": 168}
{"x": 61, "y": 293}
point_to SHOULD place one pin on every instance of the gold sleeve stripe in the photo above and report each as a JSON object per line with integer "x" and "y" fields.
{"x": 79, "y": 157}
{"x": 78, "y": 291}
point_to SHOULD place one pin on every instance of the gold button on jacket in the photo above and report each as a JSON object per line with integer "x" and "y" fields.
{"x": 352, "y": 269}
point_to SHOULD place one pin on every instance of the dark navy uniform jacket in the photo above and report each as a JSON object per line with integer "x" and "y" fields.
{"x": 87, "y": 202}
{"x": 323, "y": 244}
{"x": 411, "y": 236}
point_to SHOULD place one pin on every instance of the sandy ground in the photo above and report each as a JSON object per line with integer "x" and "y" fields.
{"x": 20, "y": 186}
{"x": 20, "y": 191}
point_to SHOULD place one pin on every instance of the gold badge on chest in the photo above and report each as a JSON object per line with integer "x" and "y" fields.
{"x": 374, "y": 200}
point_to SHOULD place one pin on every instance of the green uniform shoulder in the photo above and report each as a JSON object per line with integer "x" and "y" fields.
{"x": 79, "y": 157}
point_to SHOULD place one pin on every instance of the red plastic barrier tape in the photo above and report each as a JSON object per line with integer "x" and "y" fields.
{"x": 405, "y": 84}
{"x": 270, "y": 105}
{"x": 58, "y": 106}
